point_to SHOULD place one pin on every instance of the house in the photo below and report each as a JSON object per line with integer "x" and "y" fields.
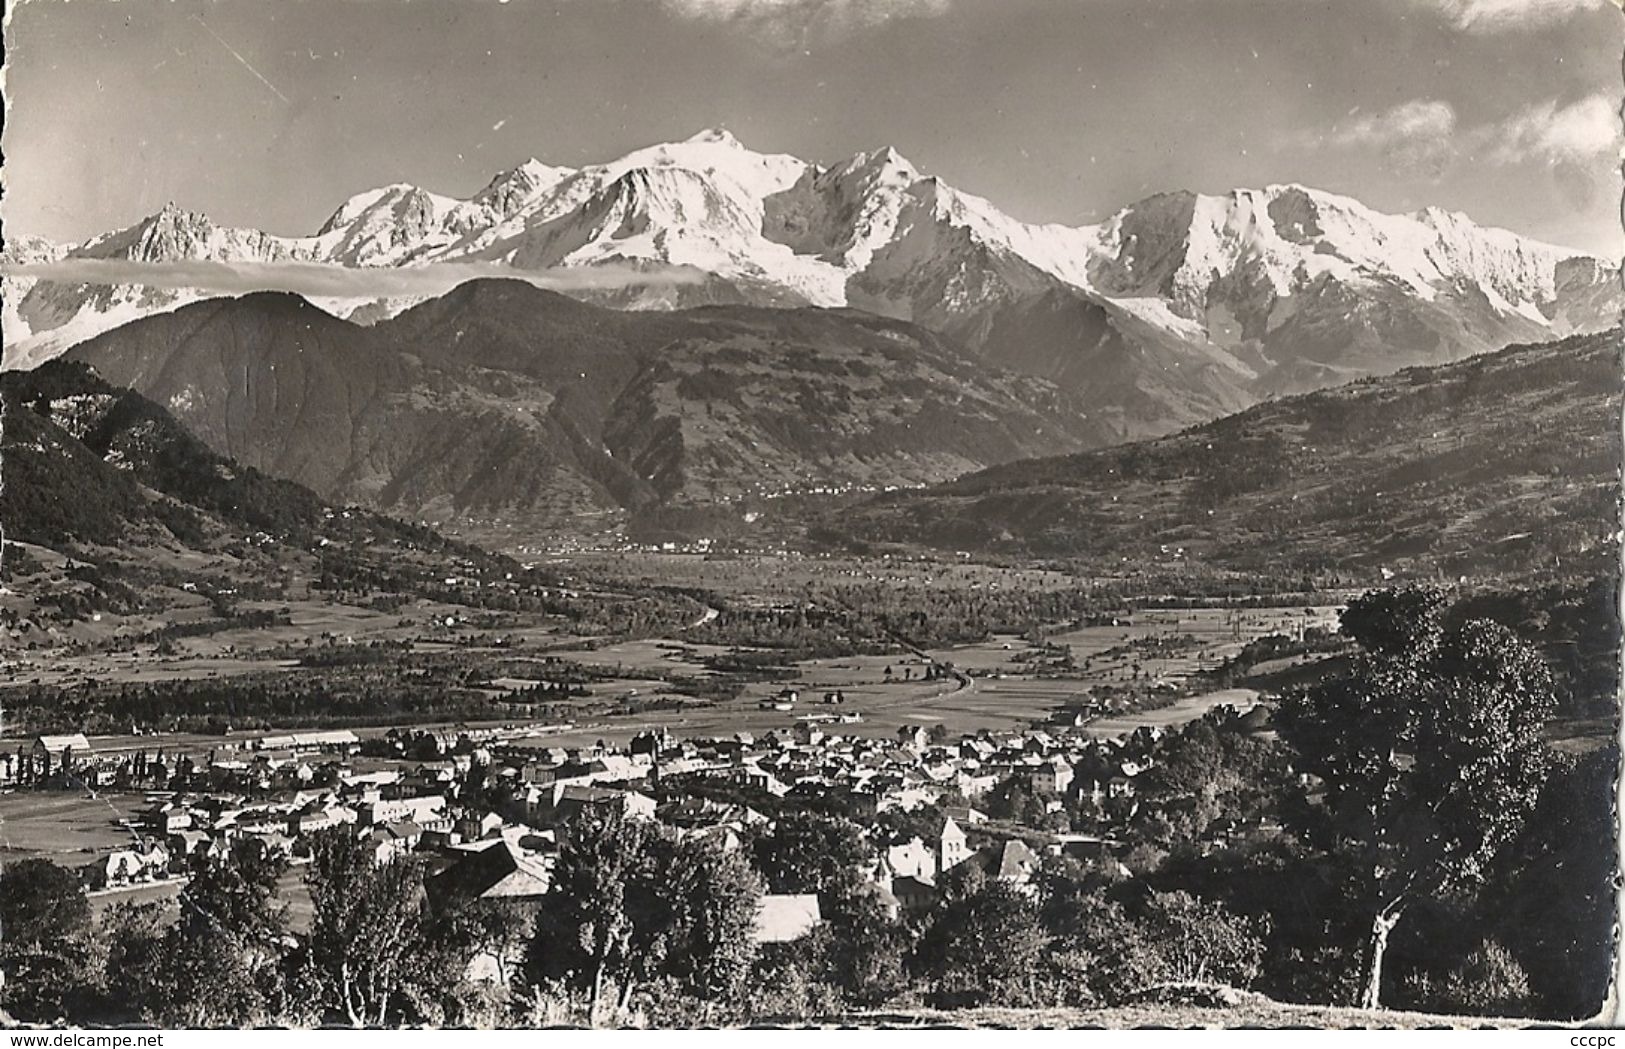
{"x": 56, "y": 755}
{"x": 538, "y": 773}
{"x": 128, "y": 866}
{"x": 1010, "y": 861}
{"x": 572, "y": 800}
{"x": 914, "y": 737}
{"x": 339, "y": 741}
{"x": 393, "y": 840}
{"x": 1051, "y": 777}
{"x": 316, "y": 816}
{"x": 782, "y": 918}
{"x": 498, "y": 871}
{"x": 427, "y": 810}
{"x": 650, "y": 742}
{"x": 896, "y": 795}
{"x": 975, "y": 785}
{"x": 912, "y": 858}
{"x": 476, "y": 826}
{"x": 169, "y": 818}
{"x": 193, "y": 843}
{"x": 752, "y": 775}
{"x": 976, "y": 749}
{"x": 965, "y": 815}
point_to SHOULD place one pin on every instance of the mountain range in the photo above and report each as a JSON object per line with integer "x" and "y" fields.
{"x": 1508, "y": 462}
{"x": 525, "y": 410}
{"x": 109, "y": 486}
{"x": 1175, "y": 310}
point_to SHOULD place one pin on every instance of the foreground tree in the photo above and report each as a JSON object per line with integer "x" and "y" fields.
{"x": 863, "y": 946}
{"x": 1112, "y": 938}
{"x": 366, "y": 939}
{"x": 585, "y": 932}
{"x": 810, "y": 853}
{"x": 631, "y": 905}
{"x": 1429, "y": 750}
{"x": 1200, "y": 941}
{"x": 41, "y": 902}
{"x": 45, "y": 925}
{"x": 1553, "y": 904}
{"x": 216, "y": 964}
{"x": 985, "y": 946}
{"x": 696, "y": 927}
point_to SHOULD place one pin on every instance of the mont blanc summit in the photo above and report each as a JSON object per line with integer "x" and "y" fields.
{"x": 1175, "y": 309}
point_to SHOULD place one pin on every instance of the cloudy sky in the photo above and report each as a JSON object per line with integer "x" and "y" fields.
{"x": 269, "y": 114}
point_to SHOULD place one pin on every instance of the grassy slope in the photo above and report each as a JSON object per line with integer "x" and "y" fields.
{"x": 1501, "y": 462}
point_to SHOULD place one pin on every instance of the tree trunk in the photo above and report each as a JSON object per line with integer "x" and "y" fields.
{"x": 597, "y": 992}
{"x": 346, "y": 990}
{"x": 1381, "y": 926}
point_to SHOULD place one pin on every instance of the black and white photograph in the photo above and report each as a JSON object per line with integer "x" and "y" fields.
{"x": 845, "y": 515}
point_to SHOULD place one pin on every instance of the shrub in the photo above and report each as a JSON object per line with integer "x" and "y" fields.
{"x": 1489, "y": 982}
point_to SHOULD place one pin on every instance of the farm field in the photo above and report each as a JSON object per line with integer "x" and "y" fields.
{"x": 1195, "y": 638}
{"x": 1161, "y": 646}
{"x": 71, "y": 828}
{"x": 779, "y": 575}
{"x": 658, "y": 655}
{"x": 243, "y": 651}
{"x": 1000, "y": 693}
{"x": 997, "y": 683}
{"x": 1183, "y": 710}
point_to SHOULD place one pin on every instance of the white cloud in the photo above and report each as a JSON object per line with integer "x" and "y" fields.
{"x": 1421, "y": 120}
{"x": 1493, "y": 16}
{"x": 322, "y": 280}
{"x": 1423, "y": 135}
{"x": 1576, "y": 133}
{"x": 1415, "y": 137}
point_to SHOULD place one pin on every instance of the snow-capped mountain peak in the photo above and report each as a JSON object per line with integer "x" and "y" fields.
{"x": 716, "y": 154}
{"x": 715, "y": 135}
{"x": 1248, "y": 292}
{"x": 511, "y": 190}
